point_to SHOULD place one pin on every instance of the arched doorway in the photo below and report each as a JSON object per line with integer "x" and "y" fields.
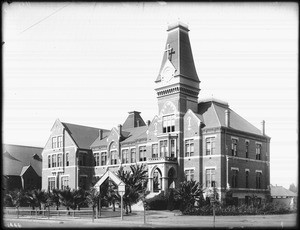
{"x": 157, "y": 180}
{"x": 171, "y": 178}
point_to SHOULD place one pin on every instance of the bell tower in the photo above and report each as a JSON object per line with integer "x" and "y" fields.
{"x": 177, "y": 88}
{"x": 177, "y": 82}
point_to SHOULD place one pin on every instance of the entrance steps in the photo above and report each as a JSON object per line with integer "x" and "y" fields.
{"x": 139, "y": 205}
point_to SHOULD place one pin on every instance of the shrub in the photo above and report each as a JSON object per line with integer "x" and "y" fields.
{"x": 232, "y": 210}
{"x": 158, "y": 202}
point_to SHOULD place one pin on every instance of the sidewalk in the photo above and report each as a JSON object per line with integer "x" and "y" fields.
{"x": 163, "y": 219}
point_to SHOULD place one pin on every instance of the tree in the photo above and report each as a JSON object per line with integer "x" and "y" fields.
{"x": 55, "y": 197}
{"x": 66, "y": 198}
{"x": 79, "y": 198}
{"x": 93, "y": 198}
{"x": 135, "y": 184}
{"x": 16, "y": 197}
{"x": 30, "y": 199}
{"x": 188, "y": 193}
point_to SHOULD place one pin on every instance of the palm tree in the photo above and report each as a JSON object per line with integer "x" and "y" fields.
{"x": 79, "y": 197}
{"x": 188, "y": 193}
{"x": 39, "y": 196}
{"x": 136, "y": 184}
{"x": 16, "y": 197}
{"x": 30, "y": 199}
{"x": 93, "y": 198}
{"x": 66, "y": 198}
{"x": 55, "y": 197}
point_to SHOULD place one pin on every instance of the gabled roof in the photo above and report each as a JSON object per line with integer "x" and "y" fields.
{"x": 15, "y": 157}
{"x": 182, "y": 57}
{"x": 83, "y": 136}
{"x": 281, "y": 191}
{"x": 213, "y": 112}
{"x": 24, "y": 169}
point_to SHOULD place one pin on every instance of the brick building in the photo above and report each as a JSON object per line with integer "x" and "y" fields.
{"x": 189, "y": 138}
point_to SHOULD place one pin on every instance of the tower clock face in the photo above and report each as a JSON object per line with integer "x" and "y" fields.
{"x": 167, "y": 74}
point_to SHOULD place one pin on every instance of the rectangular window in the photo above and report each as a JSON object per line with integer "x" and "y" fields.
{"x": 234, "y": 147}
{"x": 125, "y": 156}
{"x": 113, "y": 155}
{"x": 65, "y": 182}
{"x": 82, "y": 159}
{"x": 53, "y": 142}
{"x": 49, "y": 161}
{"x": 103, "y": 158}
{"x": 234, "y": 179}
{"x": 96, "y": 159}
{"x": 258, "y": 151}
{"x": 59, "y": 141}
{"x": 59, "y": 160}
{"x": 168, "y": 123}
{"x": 132, "y": 152}
{"x": 247, "y": 179}
{"x": 210, "y": 177}
{"x": 163, "y": 148}
{"x": 247, "y": 149}
{"x": 189, "y": 174}
{"x": 142, "y": 150}
{"x": 189, "y": 148}
{"x": 51, "y": 183}
{"x": 67, "y": 159}
{"x": 173, "y": 148}
{"x": 154, "y": 150}
{"x": 210, "y": 146}
{"x": 54, "y": 160}
{"x": 258, "y": 180}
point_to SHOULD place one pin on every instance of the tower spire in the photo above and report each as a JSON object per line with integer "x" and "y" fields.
{"x": 179, "y": 52}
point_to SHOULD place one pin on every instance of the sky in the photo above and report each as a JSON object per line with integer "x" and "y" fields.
{"x": 92, "y": 63}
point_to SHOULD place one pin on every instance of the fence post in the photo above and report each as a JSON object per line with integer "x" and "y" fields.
{"x": 18, "y": 213}
{"x": 36, "y": 214}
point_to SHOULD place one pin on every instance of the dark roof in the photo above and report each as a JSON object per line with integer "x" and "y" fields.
{"x": 281, "y": 191}
{"x": 136, "y": 134}
{"x": 182, "y": 57}
{"x": 99, "y": 142}
{"x": 213, "y": 113}
{"x": 103, "y": 141}
{"x": 83, "y": 136}
{"x": 15, "y": 157}
{"x": 133, "y": 120}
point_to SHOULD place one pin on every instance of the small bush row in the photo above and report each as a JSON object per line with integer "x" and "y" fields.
{"x": 223, "y": 210}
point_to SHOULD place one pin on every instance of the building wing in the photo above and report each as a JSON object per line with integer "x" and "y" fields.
{"x": 18, "y": 156}
{"x": 213, "y": 113}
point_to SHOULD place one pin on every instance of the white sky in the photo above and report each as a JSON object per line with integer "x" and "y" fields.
{"x": 91, "y": 63}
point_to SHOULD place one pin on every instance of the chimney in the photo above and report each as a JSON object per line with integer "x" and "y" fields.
{"x": 263, "y": 127}
{"x": 148, "y": 122}
{"x": 120, "y": 129}
{"x": 227, "y": 118}
{"x": 100, "y": 134}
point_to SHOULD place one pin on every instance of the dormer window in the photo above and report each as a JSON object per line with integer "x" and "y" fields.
{"x": 168, "y": 123}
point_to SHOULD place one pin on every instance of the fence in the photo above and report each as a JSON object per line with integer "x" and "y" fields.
{"x": 51, "y": 213}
